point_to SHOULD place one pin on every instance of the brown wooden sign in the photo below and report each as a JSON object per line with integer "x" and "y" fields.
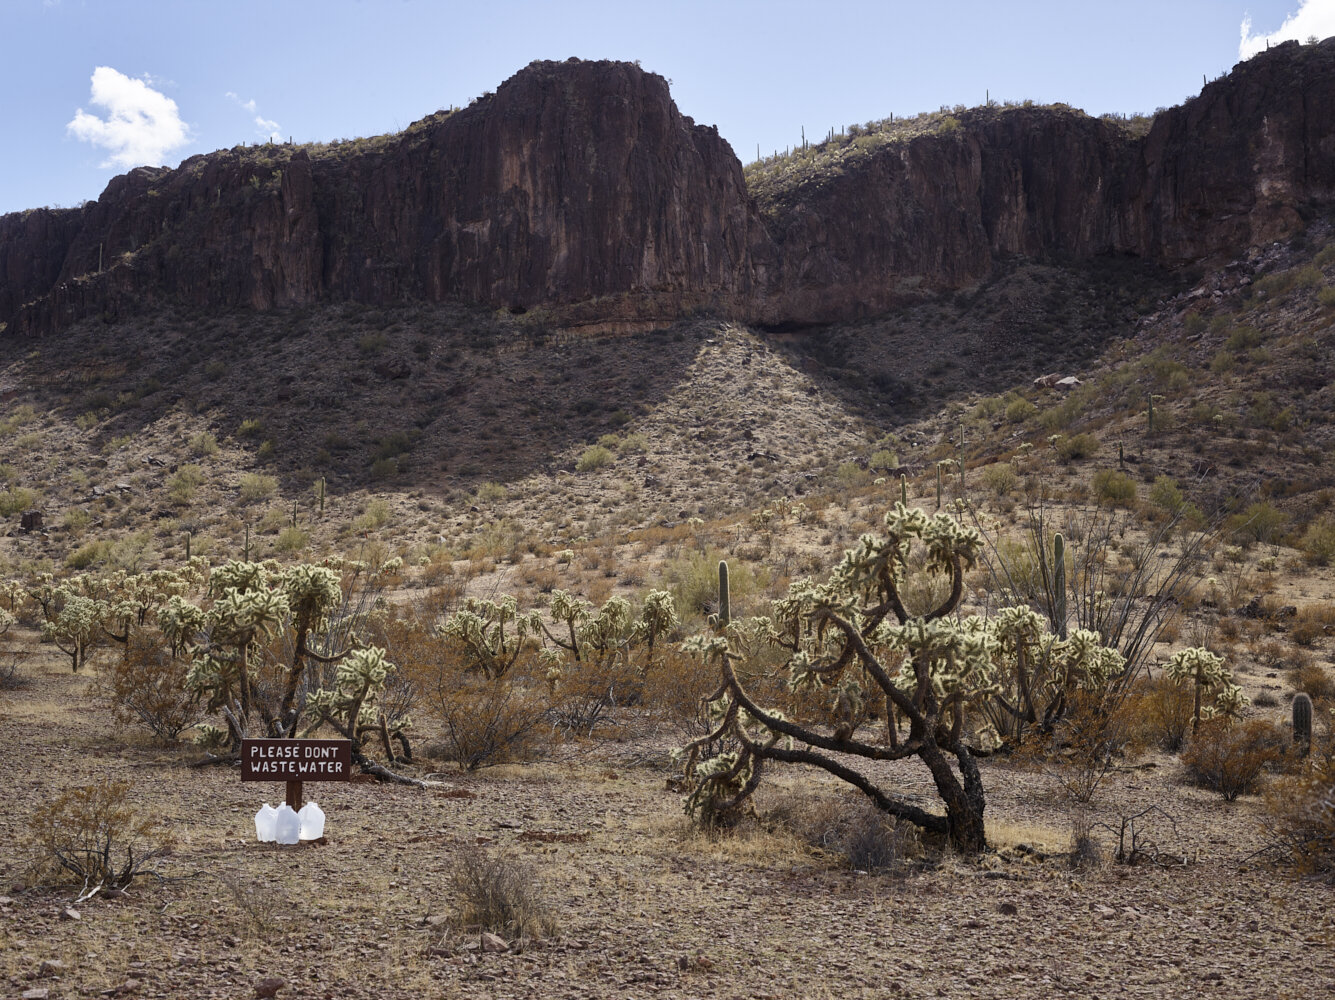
{"x": 296, "y": 760}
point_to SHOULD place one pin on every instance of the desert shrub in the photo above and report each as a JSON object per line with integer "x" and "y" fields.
{"x": 375, "y": 516}
{"x": 1261, "y": 522}
{"x": 1077, "y": 446}
{"x": 1167, "y": 495}
{"x": 1166, "y": 709}
{"x": 1318, "y": 542}
{"x": 146, "y": 687}
{"x": 1019, "y": 410}
{"x": 500, "y": 895}
{"x": 181, "y": 487}
{"x": 883, "y": 460}
{"x": 674, "y": 687}
{"x": 486, "y": 720}
{"x": 1094, "y": 738}
{"x": 255, "y": 486}
{"x": 693, "y": 580}
{"x": 91, "y": 835}
{"x": 203, "y": 445}
{"x": 633, "y": 444}
{"x": 593, "y": 458}
{"x": 291, "y": 539}
{"x": 1301, "y": 818}
{"x": 10, "y": 662}
{"x": 15, "y": 500}
{"x": 850, "y": 475}
{"x": 1230, "y": 759}
{"x": 1114, "y": 488}
{"x": 251, "y": 427}
{"x": 371, "y": 344}
{"x": 89, "y": 554}
{"x": 1314, "y": 681}
{"x": 492, "y": 492}
{"x": 1312, "y": 622}
{"x": 1000, "y": 478}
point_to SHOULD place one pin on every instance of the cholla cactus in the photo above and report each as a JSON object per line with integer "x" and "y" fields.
{"x": 350, "y": 707}
{"x": 1207, "y": 674}
{"x": 854, "y": 637}
{"x": 658, "y": 616}
{"x": 491, "y": 633}
{"x": 74, "y": 628}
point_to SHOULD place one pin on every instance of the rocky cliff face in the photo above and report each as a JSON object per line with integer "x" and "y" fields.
{"x": 1244, "y": 163}
{"x": 578, "y": 187}
{"x": 574, "y": 183}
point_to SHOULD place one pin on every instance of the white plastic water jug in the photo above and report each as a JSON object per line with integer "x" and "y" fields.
{"x": 265, "y": 821}
{"x": 286, "y": 827}
{"x": 311, "y": 819}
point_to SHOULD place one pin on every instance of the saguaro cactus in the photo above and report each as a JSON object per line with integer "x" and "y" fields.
{"x": 1059, "y": 583}
{"x": 724, "y": 597}
{"x": 1302, "y": 724}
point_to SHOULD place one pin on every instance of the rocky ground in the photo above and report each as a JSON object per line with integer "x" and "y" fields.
{"x": 639, "y": 904}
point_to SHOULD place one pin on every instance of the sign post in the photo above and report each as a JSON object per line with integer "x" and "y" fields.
{"x": 296, "y": 761}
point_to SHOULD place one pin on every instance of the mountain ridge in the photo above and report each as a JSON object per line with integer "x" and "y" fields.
{"x": 579, "y": 189}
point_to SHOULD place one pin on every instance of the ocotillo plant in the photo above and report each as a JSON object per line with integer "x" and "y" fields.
{"x": 1302, "y": 723}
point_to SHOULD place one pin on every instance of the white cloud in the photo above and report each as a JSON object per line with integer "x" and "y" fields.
{"x": 1313, "y": 18}
{"x": 142, "y": 125}
{"x": 265, "y": 127}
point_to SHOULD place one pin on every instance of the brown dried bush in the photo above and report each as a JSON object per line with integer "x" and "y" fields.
{"x": 487, "y": 720}
{"x": 1165, "y": 711}
{"x": 1230, "y": 758}
{"x": 851, "y": 826}
{"x": 1313, "y": 680}
{"x": 1301, "y": 818}
{"x": 146, "y": 687}
{"x": 675, "y": 684}
{"x": 91, "y": 835}
{"x": 1312, "y": 622}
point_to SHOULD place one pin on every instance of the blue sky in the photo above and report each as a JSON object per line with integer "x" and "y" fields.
{"x": 94, "y": 87}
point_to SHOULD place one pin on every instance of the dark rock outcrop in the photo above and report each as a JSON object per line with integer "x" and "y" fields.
{"x": 579, "y": 188}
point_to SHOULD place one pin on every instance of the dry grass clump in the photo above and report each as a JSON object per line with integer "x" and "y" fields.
{"x": 850, "y": 825}
{"x": 499, "y": 894}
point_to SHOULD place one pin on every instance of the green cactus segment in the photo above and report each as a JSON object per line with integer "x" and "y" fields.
{"x": 724, "y": 598}
{"x": 1302, "y": 723}
{"x": 1059, "y": 583}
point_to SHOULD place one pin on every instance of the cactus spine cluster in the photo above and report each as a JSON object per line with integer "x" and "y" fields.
{"x": 1302, "y": 723}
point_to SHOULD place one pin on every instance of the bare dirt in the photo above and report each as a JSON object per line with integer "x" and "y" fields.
{"x": 644, "y": 906}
